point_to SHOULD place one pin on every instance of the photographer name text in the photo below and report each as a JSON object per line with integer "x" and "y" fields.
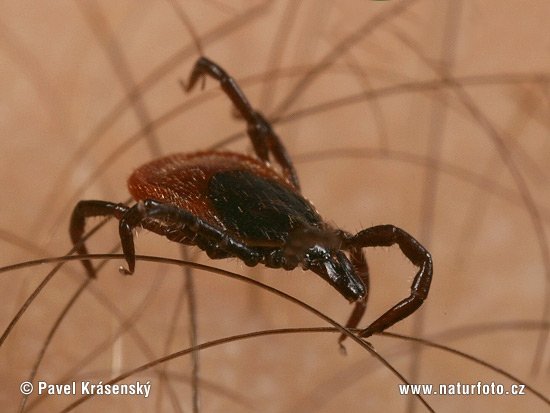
{"x": 89, "y": 388}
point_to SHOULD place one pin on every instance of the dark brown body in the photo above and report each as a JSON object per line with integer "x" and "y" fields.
{"x": 239, "y": 195}
{"x": 183, "y": 180}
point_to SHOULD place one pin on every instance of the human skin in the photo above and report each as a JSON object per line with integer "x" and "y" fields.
{"x": 462, "y": 166}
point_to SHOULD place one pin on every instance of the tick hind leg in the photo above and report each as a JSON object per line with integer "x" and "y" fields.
{"x": 83, "y": 210}
{"x": 164, "y": 219}
{"x": 263, "y": 138}
{"x": 173, "y": 221}
{"x": 387, "y": 235}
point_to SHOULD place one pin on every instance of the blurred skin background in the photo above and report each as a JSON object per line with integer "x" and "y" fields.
{"x": 432, "y": 116}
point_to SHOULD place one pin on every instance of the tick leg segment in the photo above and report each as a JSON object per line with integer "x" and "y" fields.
{"x": 263, "y": 138}
{"x": 83, "y": 210}
{"x": 173, "y": 217}
{"x": 385, "y": 236}
{"x": 359, "y": 262}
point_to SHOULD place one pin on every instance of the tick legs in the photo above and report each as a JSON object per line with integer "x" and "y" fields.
{"x": 359, "y": 262}
{"x": 387, "y": 235}
{"x": 164, "y": 219}
{"x": 173, "y": 219}
{"x": 83, "y": 210}
{"x": 263, "y": 138}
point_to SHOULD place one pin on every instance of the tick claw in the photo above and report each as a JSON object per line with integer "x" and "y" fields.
{"x": 124, "y": 271}
{"x": 343, "y": 350}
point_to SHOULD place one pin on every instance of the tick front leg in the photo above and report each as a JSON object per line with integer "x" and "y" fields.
{"x": 263, "y": 138}
{"x": 387, "y": 235}
{"x": 83, "y": 210}
{"x": 359, "y": 262}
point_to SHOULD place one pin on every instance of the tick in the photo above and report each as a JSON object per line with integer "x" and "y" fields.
{"x": 233, "y": 205}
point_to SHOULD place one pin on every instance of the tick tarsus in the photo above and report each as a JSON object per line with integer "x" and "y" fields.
{"x": 83, "y": 210}
{"x": 245, "y": 209}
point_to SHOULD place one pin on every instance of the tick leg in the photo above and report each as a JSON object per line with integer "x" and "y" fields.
{"x": 171, "y": 217}
{"x": 83, "y": 210}
{"x": 263, "y": 138}
{"x": 358, "y": 260}
{"x": 387, "y": 235}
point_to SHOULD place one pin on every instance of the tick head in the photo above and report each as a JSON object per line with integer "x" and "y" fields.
{"x": 337, "y": 270}
{"x": 319, "y": 250}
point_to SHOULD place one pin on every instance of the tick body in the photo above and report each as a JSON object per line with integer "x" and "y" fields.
{"x": 232, "y": 205}
{"x": 240, "y": 195}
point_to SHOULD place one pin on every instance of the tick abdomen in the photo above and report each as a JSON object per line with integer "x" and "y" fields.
{"x": 234, "y": 192}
